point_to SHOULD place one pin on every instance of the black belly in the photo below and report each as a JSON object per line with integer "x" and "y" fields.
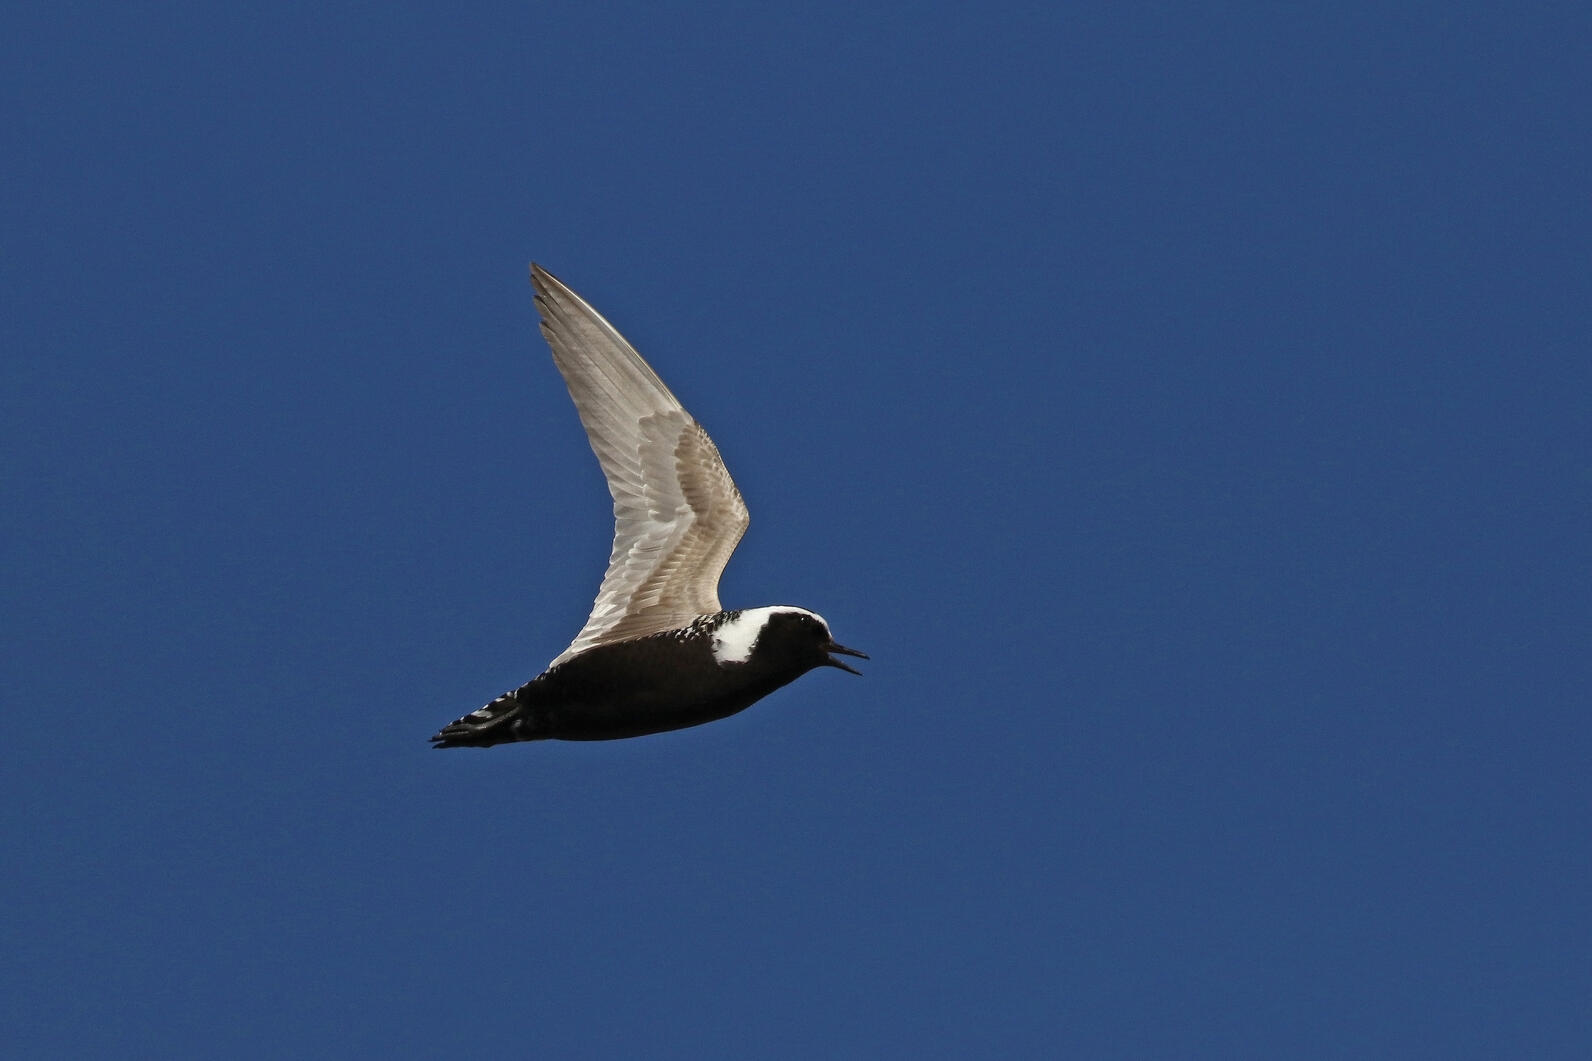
{"x": 652, "y": 685}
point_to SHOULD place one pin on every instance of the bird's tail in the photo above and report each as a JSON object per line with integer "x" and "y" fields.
{"x": 511, "y": 717}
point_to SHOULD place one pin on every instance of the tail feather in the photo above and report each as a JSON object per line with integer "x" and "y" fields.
{"x": 503, "y": 721}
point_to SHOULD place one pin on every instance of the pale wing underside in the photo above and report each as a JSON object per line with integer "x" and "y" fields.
{"x": 677, "y": 512}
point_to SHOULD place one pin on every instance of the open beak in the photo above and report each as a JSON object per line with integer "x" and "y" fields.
{"x": 844, "y": 651}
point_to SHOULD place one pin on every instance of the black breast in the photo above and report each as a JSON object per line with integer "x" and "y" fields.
{"x": 648, "y": 685}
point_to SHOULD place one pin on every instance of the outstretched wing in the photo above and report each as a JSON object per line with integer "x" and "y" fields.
{"x": 677, "y": 512}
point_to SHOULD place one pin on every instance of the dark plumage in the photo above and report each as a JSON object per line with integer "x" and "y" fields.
{"x": 658, "y": 652}
{"x": 650, "y": 684}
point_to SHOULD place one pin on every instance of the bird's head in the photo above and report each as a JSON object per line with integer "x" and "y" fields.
{"x": 785, "y": 634}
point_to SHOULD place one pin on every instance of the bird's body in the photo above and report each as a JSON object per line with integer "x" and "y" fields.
{"x": 658, "y": 652}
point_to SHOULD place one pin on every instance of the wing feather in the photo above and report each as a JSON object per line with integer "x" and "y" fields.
{"x": 677, "y": 513}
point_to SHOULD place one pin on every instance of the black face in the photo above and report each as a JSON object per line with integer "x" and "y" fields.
{"x": 811, "y": 639}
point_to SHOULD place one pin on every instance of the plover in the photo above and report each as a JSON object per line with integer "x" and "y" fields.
{"x": 658, "y": 652}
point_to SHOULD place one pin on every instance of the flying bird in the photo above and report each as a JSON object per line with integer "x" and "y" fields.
{"x": 658, "y": 651}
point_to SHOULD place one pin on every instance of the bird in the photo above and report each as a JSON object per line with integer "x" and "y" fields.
{"x": 658, "y": 652}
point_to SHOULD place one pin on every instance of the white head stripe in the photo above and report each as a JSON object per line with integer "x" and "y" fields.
{"x": 733, "y": 641}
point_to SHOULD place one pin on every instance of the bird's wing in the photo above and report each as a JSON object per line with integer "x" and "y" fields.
{"x": 677, "y": 512}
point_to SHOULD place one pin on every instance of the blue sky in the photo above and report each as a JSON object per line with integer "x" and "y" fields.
{"x": 1187, "y": 408}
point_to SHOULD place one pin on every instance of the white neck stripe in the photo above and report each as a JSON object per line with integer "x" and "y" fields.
{"x": 734, "y": 640}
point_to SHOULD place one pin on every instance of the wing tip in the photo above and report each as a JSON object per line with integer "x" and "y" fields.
{"x": 544, "y": 281}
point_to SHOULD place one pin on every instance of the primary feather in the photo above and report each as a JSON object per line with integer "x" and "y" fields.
{"x": 677, "y": 513}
